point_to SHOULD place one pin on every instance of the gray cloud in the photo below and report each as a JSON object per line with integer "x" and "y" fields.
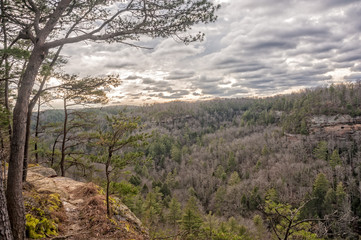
{"x": 175, "y": 95}
{"x": 178, "y": 74}
{"x": 256, "y": 47}
{"x": 354, "y": 77}
{"x": 149, "y": 81}
{"x": 338, "y": 3}
{"x": 356, "y": 68}
{"x": 132, "y": 77}
{"x": 119, "y": 65}
{"x": 272, "y": 45}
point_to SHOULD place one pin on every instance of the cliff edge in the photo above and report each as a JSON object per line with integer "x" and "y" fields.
{"x": 62, "y": 208}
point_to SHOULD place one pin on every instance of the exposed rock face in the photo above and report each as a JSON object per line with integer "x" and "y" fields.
{"x": 323, "y": 120}
{"x": 338, "y": 125}
{"x": 79, "y": 207}
{"x": 46, "y": 172}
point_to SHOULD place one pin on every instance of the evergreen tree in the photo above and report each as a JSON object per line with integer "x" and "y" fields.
{"x": 220, "y": 173}
{"x": 176, "y": 154}
{"x": 232, "y": 164}
{"x": 210, "y": 225}
{"x": 286, "y": 222}
{"x": 233, "y": 225}
{"x": 335, "y": 159}
{"x": 220, "y": 199}
{"x": 340, "y": 195}
{"x": 260, "y": 228}
{"x": 321, "y": 151}
{"x": 119, "y": 133}
{"x": 320, "y": 188}
{"x": 153, "y": 208}
{"x": 329, "y": 201}
{"x": 191, "y": 219}
{"x": 234, "y": 179}
{"x": 175, "y": 212}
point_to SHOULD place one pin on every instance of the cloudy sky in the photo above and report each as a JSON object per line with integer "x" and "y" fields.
{"x": 256, "y": 48}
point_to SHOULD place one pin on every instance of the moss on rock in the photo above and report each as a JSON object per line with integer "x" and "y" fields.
{"x": 40, "y": 227}
{"x": 42, "y": 214}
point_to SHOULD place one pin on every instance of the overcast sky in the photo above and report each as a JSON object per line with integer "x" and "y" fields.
{"x": 256, "y": 48}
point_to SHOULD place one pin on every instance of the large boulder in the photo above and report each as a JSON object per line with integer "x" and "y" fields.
{"x": 44, "y": 171}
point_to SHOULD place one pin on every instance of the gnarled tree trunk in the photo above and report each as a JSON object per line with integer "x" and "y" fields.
{"x": 14, "y": 185}
{"x": 5, "y": 229}
{"x": 65, "y": 131}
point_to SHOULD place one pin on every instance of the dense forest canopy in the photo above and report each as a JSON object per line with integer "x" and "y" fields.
{"x": 233, "y": 168}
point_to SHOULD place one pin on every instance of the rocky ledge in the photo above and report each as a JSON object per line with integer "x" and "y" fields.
{"x": 62, "y": 208}
{"x": 338, "y": 125}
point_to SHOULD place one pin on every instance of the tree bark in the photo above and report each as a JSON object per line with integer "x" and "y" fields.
{"x": 32, "y": 103}
{"x": 5, "y": 229}
{"x": 14, "y": 185}
{"x": 37, "y": 133}
{"x": 26, "y": 146}
{"x": 62, "y": 161}
{"x": 107, "y": 164}
{"x": 53, "y": 150}
{"x": 27, "y": 138}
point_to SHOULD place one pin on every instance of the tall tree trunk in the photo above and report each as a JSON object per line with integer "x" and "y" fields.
{"x": 5, "y": 229}
{"x": 32, "y": 104}
{"x": 107, "y": 173}
{"x": 37, "y": 132}
{"x": 28, "y": 135}
{"x": 26, "y": 146}
{"x": 62, "y": 161}
{"x": 53, "y": 151}
{"x": 14, "y": 184}
{"x": 3, "y": 162}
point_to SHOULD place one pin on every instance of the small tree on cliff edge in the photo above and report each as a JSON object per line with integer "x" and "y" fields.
{"x": 118, "y": 135}
{"x": 51, "y": 24}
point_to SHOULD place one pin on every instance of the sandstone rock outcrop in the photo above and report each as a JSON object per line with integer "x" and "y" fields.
{"x": 79, "y": 201}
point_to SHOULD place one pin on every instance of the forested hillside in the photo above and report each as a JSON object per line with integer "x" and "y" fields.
{"x": 225, "y": 168}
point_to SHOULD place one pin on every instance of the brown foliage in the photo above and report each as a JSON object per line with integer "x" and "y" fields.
{"x": 88, "y": 190}
{"x": 94, "y": 217}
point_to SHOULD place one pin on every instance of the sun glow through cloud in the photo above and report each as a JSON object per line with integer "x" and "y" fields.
{"x": 256, "y": 48}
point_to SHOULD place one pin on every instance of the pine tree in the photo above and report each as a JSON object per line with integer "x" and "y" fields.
{"x": 191, "y": 218}
{"x": 286, "y": 222}
{"x": 119, "y": 134}
{"x": 175, "y": 212}
{"x": 232, "y": 164}
{"x": 220, "y": 199}
{"x": 210, "y": 225}
{"x": 340, "y": 195}
{"x": 321, "y": 151}
{"x": 335, "y": 159}
{"x": 176, "y": 154}
{"x": 153, "y": 208}
{"x": 320, "y": 188}
{"x": 234, "y": 179}
{"x": 330, "y": 200}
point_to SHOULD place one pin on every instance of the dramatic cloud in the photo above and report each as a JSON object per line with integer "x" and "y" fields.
{"x": 256, "y": 48}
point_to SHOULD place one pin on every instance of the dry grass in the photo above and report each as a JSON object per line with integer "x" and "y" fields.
{"x": 88, "y": 190}
{"x": 94, "y": 217}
